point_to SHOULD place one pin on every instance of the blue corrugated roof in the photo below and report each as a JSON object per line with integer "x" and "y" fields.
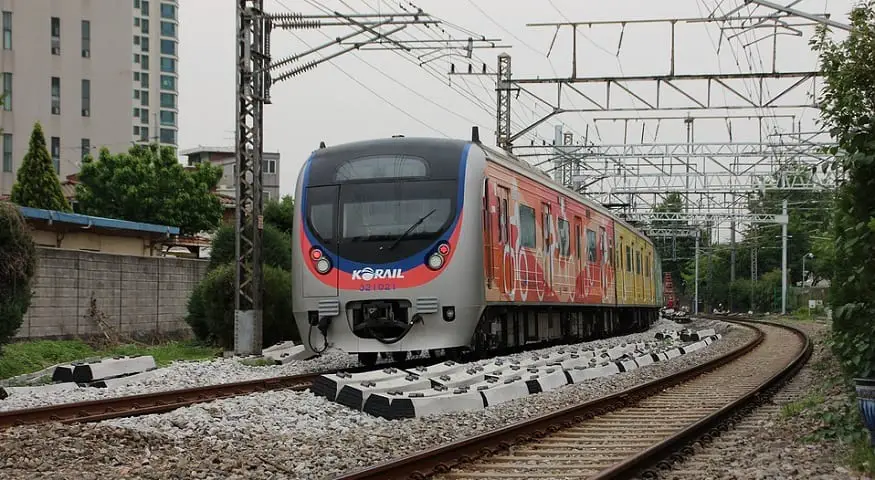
{"x": 86, "y": 220}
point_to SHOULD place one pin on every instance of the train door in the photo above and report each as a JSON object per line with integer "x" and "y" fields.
{"x": 603, "y": 261}
{"x": 488, "y": 256}
{"x": 505, "y": 270}
{"x": 578, "y": 248}
{"x": 548, "y": 241}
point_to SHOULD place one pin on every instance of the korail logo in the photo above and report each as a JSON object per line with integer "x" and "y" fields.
{"x": 367, "y": 274}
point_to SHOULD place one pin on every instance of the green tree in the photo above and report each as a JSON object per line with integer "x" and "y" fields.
{"x": 212, "y": 317}
{"x": 276, "y": 247}
{"x": 37, "y": 183}
{"x": 148, "y": 184}
{"x": 17, "y": 268}
{"x": 281, "y": 213}
{"x": 847, "y": 105}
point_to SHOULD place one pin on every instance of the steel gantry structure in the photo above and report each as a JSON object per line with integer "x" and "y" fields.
{"x": 256, "y": 73}
{"x": 715, "y": 179}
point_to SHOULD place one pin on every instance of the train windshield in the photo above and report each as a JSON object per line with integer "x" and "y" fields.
{"x": 385, "y": 201}
{"x": 380, "y": 222}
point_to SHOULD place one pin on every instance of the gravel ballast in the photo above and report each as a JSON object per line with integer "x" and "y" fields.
{"x": 299, "y": 435}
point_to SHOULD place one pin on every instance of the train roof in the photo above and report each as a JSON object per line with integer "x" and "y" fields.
{"x": 381, "y": 143}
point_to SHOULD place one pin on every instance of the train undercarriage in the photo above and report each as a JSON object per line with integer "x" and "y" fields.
{"x": 505, "y": 329}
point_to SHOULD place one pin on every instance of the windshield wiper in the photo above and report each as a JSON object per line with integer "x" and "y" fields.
{"x": 412, "y": 227}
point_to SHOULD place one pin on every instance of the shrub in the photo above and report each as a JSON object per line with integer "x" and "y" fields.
{"x": 37, "y": 183}
{"x": 276, "y": 247}
{"x": 211, "y": 307}
{"x": 17, "y": 268}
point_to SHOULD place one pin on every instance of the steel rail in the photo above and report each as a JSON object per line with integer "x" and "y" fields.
{"x": 674, "y": 448}
{"x": 148, "y": 403}
{"x": 442, "y": 459}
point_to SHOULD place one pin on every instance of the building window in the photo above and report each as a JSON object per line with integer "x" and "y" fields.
{"x": 168, "y": 100}
{"x": 56, "y": 153}
{"x": 86, "y": 39}
{"x": 269, "y": 166}
{"x": 136, "y": 94}
{"x": 136, "y": 130}
{"x": 168, "y": 29}
{"x": 136, "y": 3}
{"x": 168, "y": 136}
{"x": 56, "y": 95}
{"x": 144, "y": 44}
{"x": 86, "y": 147}
{"x": 168, "y": 11}
{"x": 168, "y": 82}
{"x": 168, "y": 65}
{"x": 136, "y": 58}
{"x": 168, "y": 118}
{"x": 144, "y": 98}
{"x": 136, "y": 76}
{"x": 144, "y": 26}
{"x": 136, "y": 112}
{"x": 168, "y": 47}
{"x": 144, "y": 80}
{"x": 144, "y": 115}
{"x": 144, "y": 7}
{"x": 56, "y": 35}
{"x": 7, "y": 152}
{"x": 86, "y": 98}
{"x": 7, "y": 30}
{"x": 7, "y": 91}
{"x": 136, "y": 21}
{"x": 144, "y": 134}
{"x": 144, "y": 62}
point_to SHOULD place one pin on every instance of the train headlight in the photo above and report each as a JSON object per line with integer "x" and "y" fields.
{"x": 323, "y": 265}
{"x": 435, "y": 261}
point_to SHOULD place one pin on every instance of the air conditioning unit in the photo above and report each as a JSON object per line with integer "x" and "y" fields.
{"x": 56, "y": 110}
{"x": 86, "y": 53}
{"x": 86, "y": 112}
{"x": 56, "y": 50}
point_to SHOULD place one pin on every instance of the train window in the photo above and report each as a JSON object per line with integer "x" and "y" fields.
{"x": 603, "y": 238}
{"x": 628, "y": 258}
{"x": 564, "y": 241}
{"x": 577, "y": 234}
{"x": 638, "y": 262}
{"x": 590, "y": 246}
{"x": 382, "y": 166}
{"x": 528, "y": 232}
{"x": 321, "y": 215}
{"x": 503, "y": 227}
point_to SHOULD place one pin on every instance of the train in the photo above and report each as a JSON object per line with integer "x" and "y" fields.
{"x": 449, "y": 246}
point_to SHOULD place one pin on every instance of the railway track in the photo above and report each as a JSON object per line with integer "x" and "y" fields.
{"x": 623, "y": 435}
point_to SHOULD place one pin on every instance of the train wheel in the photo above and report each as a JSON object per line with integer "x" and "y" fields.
{"x": 399, "y": 356}
{"x": 368, "y": 359}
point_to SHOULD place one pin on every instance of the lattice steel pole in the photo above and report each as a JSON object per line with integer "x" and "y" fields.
{"x": 503, "y": 92}
{"x": 252, "y": 83}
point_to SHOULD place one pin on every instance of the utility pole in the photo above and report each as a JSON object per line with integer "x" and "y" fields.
{"x": 784, "y": 260}
{"x": 253, "y": 58}
{"x": 696, "y": 298}
{"x": 502, "y": 92}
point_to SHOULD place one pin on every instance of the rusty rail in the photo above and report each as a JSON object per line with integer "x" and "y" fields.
{"x": 148, "y": 403}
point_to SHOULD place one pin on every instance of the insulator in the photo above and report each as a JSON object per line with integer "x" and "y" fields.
{"x": 300, "y": 24}
{"x": 303, "y": 68}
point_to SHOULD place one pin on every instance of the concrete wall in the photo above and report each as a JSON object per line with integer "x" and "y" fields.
{"x": 136, "y": 294}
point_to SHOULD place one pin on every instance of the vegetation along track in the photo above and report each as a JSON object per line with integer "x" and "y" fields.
{"x": 621, "y": 435}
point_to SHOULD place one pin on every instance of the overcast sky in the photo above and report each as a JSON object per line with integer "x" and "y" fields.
{"x": 372, "y": 94}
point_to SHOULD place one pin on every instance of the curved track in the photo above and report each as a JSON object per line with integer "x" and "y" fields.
{"x": 621, "y": 435}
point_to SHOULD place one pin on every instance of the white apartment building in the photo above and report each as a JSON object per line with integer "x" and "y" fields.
{"x": 94, "y": 73}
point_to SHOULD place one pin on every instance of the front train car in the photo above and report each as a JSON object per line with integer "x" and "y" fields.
{"x": 383, "y": 258}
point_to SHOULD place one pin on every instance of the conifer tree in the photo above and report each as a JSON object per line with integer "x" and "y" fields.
{"x": 37, "y": 183}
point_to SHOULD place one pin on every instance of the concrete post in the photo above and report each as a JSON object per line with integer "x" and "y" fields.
{"x": 784, "y": 261}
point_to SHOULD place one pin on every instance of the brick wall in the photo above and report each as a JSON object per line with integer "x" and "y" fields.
{"x": 135, "y": 294}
